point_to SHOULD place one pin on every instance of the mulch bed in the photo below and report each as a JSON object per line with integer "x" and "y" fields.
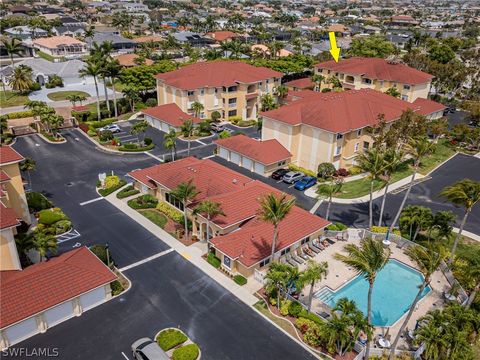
{"x": 174, "y": 228}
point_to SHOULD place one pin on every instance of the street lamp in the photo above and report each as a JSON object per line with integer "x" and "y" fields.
{"x": 108, "y": 255}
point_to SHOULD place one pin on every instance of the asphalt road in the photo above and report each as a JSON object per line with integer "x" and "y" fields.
{"x": 425, "y": 194}
{"x": 166, "y": 292}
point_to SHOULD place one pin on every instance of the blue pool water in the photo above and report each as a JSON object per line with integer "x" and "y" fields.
{"x": 393, "y": 292}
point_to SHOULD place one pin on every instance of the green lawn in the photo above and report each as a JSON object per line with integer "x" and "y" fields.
{"x": 45, "y": 56}
{"x": 9, "y": 98}
{"x": 62, "y": 95}
{"x": 156, "y": 217}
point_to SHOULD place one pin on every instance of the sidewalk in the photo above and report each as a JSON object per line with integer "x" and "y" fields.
{"x": 191, "y": 253}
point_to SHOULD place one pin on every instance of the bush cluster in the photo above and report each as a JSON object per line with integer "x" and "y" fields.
{"x": 213, "y": 260}
{"x": 126, "y": 192}
{"x": 20, "y": 114}
{"x": 108, "y": 190}
{"x": 37, "y": 201}
{"x": 111, "y": 181}
{"x": 383, "y": 230}
{"x": 101, "y": 252}
{"x": 51, "y": 216}
{"x": 336, "y": 227}
{"x": 116, "y": 287}
{"x": 134, "y": 147}
{"x": 172, "y": 213}
{"x": 240, "y": 280}
{"x": 294, "y": 167}
{"x": 246, "y": 123}
{"x": 235, "y": 119}
{"x": 170, "y": 338}
{"x": 187, "y": 352}
{"x": 295, "y": 308}
{"x": 145, "y": 201}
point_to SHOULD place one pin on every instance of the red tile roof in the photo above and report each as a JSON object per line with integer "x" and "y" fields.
{"x": 171, "y": 114}
{"x": 8, "y": 217}
{"x": 9, "y": 155}
{"x": 341, "y": 112}
{"x": 266, "y": 152}
{"x": 221, "y": 35}
{"x": 253, "y": 242}
{"x": 427, "y": 106}
{"x": 298, "y": 95}
{"x": 216, "y": 73}
{"x": 4, "y": 176}
{"x": 46, "y": 284}
{"x": 375, "y": 68}
{"x": 304, "y": 83}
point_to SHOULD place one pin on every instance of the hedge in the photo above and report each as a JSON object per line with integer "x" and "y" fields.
{"x": 246, "y": 123}
{"x": 146, "y": 201}
{"x": 240, "y": 280}
{"x": 295, "y": 308}
{"x": 213, "y": 260}
{"x": 383, "y": 230}
{"x": 311, "y": 316}
{"x": 51, "y": 216}
{"x": 101, "y": 252}
{"x": 172, "y": 213}
{"x": 37, "y": 201}
{"x": 99, "y": 124}
{"x": 338, "y": 226}
{"x": 294, "y": 167}
{"x": 145, "y": 148}
{"x": 170, "y": 338}
{"x": 108, "y": 191}
{"x": 187, "y": 352}
{"x": 126, "y": 192}
{"x": 20, "y": 114}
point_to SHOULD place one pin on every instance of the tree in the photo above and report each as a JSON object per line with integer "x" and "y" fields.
{"x": 437, "y": 128}
{"x": 441, "y": 53}
{"x": 12, "y": 47}
{"x": 170, "y": 142}
{"x": 113, "y": 70}
{"x": 428, "y": 260}
{"x": 328, "y": 190}
{"x": 185, "y": 192}
{"x": 326, "y": 170}
{"x": 465, "y": 193}
{"x": 417, "y": 148}
{"x": 187, "y": 130}
{"x": 93, "y": 68}
{"x": 373, "y": 162}
{"x": 224, "y": 134}
{"x": 281, "y": 91}
{"x": 44, "y": 243}
{"x": 367, "y": 260}
{"x": 197, "y": 108}
{"x": 393, "y": 160}
{"x": 274, "y": 209}
{"x": 393, "y": 91}
{"x": 131, "y": 95}
{"x": 473, "y": 275}
{"x": 268, "y": 102}
{"x": 21, "y": 79}
{"x": 139, "y": 128}
{"x": 278, "y": 278}
{"x": 37, "y": 107}
{"x": 28, "y": 165}
{"x": 416, "y": 218}
{"x": 335, "y": 82}
{"x": 314, "y": 272}
{"x": 371, "y": 46}
{"x": 209, "y": 209}
{"x": 317, "y": 79}
{"x": 215, "y": 115}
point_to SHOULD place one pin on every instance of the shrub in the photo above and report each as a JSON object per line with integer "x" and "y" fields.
{"x": 187, "y": 352}
{"x": 108, "y": 191}
{"x": 240, "y": 280}
{"x": 325, "y": 170}
{"x": 51, "y": 216}
{"x": 111, "y": 181}
{"x": 136, "y": 148}
{"x": 310, "y": 316}
{"x": 147, "y": 141}
{"x": 35, "y": 86}
{"x": 98, "y": 124}
{"x": 272, "y": 301}
{"x": 332, "y": 227}
{"x": 246, "y": 123}
{"x": 170, "y": 338}
{"x": 105, "y": 135}
{"x": 151, "y": 102}
{"x": 304, "y": 324}
{"x": 146, "y": 201}
{"x": 20, "y": 114}
{"x": 130, "y": 146}
{"x": 91, "y": 133}
{"x": 341, "y": 172}
{"x": 224, "y": 134}
{"x": 294, "y": 167}
{"x": 116, "y": 287}
{"x": 312, "y": 336}
{"x": 355, "y": 170}
{"x": 213, "y": 260}
{"x": 215, "y": 115}
{"x": 62, "y": 226}
{"x": 37, "y": 201}
{"x": 126, "y": 192}
{"x": 172, "y": 213}
{"x": 383, "y": 230}
{"x": 295, "y": 308}
{"x": 235, "y": 119}
{"x": 101, "y": 252}
{"x": 284, "y": 305}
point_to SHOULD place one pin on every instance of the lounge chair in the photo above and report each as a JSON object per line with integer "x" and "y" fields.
{"x": 330, "y": 241}
{"x": 308, "y": 252}
{"x": 318, "y": 245}
{"x": 314, "y": 248}
{"x": 298, "y": 259}
{"x": 302, "y": 254}
{"x": 288, "y": 259}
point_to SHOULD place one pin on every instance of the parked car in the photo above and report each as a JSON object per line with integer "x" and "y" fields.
{"x": 279, "y": 174}
{"x": 217, "y": 127}
{"x": 292, "y": 176}
{"x": 112, "y": 127}
{"x": 147, "y": 349}
{"x": 305, "y": 183}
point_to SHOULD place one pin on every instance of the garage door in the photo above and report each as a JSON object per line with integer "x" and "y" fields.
{"x": 59, "y": 313}
{"x": 21, "y": 331}
{"x": 259, "y": 168}
{"x": 247, "y": 163}
{"x": 165, "y": 127}
{"x": 235, "y": 158}
{"x": 93, "y": 298}
{"x": 223, "y": 153}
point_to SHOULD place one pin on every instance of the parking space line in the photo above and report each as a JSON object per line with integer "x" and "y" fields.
{"x": 125, "y": 356}
{"x": 208, "y": 157}
{"x": 155, "y": 157}
{"x": 201, "y": 142}
{"x": 91, "y": 201}
{"x": 150, "y": 258}
{"x": 291, "y": 186}
{"x": 279, "y": 181}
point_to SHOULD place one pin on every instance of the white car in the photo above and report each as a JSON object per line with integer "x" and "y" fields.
{"x": 112, "y": 127}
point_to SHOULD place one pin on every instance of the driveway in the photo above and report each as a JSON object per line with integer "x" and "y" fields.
{"x": 425, "y": 193}
{"x": 41, "y": 95}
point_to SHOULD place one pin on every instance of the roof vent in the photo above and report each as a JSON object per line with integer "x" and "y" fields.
{"x": 234, "y": 181}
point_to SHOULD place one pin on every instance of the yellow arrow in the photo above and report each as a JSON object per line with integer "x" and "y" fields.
{"x": 334, "y": 50}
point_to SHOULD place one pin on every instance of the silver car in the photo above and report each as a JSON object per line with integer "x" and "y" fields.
{"x": 112, "y": 127}
{"x": 217, "y": 127}
{"x": 147, "y": 349}
{"x": 292, "y": 176}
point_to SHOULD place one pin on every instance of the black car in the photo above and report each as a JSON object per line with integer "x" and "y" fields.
{"x": 279, "y": 173}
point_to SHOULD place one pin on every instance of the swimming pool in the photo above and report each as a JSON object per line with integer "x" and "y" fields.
{"x": 393, "y": 292}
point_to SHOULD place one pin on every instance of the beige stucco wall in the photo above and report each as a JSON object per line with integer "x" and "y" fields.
{"x": 9, "y": 259}
{"x": 16, "y": 193}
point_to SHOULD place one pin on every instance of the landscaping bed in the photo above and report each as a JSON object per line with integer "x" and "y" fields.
{"x": 145, "y": 201}
{"x": 62, "y": 95}
{"x": 53, "y": 221}
{"x": 126, "y": 192}
{"x": 112, "y": 184}
{"x": 177, "y": 345}
{"x": 56, "y": 139}
{"x": 155, "y": 216}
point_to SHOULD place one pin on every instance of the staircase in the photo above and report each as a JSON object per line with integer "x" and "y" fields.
{"x": 325, "y": 295}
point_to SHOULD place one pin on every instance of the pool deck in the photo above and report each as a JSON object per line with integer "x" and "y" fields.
{"x": 339, "y": 274}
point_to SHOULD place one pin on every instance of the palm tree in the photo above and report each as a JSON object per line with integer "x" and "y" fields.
{"x": 21, "y": 79}
{"x": 328, "y": 190}
{"x": 139, "y": 128}
{"x": 185, "y": 192}
{"x": 197, "y": 108}
{"x": 28, "y": 165}
{"x": 428, "y": 260}
{"x": 367, "y": 260}
{"x": 37, "y": 107}
{"x": 472, "y": 273}
{"x": 277, "y": 278}
{"x": 187, "y": 129}
{"x": 274, "y": 48}
{"x": 371, "y": 161}
{"x": 417, "y": 148}
{"x": 12, "y": 47}
{"x": 317, "y": 79}
{"x": 314, "y": 272}
{"x": 113, "y": 70}
{"x": 393, "y": 160}
{"x": 281, "y": 91}
{"x": 209, "y": 209}
{"x": 274, "y": 209}
{"x": 432, "y": 336}
{"x": 44, "y": 243}
{"x": 465, "y": 193}
{"x": 268, "y": 102}
{"x": 169, "y": 142}
{"x": 93, "y": 68}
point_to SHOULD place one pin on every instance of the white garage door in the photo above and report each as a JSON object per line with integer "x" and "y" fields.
{"x": 223, "y": 153}
{"x": 21, "y": 331}
{"x": 235, "y": 158}
{"x": 165, "y": 127}
{"x": 59, "y": 313}
{"x": 247, "y": 163}
{"x": 259, "y": 168}
{"x": 92, "y": 298}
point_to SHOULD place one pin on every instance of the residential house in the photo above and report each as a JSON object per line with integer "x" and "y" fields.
{"x": 129, "y": 60}
{"x": 60, "y": 46}
{"x": 220, "y": 36}
{"x": 403, "y": 20}
{"x": 232, "y": 88}
{"x": 25, "y": 32}
{"x": 378, "y": 74}
{"x": 333, "y": 127}
{"x": 191, "y": 38}
{"x": 119, "y": 43}
{"x": 71, "y": 30}
{"x": 238, "y": 237}
{"x": 168, "y": 116}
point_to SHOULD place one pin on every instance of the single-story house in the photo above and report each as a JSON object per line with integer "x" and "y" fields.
{"x": 60, "y": 46}
{"x": 25, "y": 32}
{"x": 261, "y": 157}
{"x": 70, "y": 30}
{"x": 300, "y": 84}
{"x": 45, "y": 294}
{"x": 168, "y": 116}
{"x": 119, "y": 42}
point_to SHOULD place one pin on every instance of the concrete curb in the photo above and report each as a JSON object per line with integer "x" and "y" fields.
{"x": 187, "y": 342}
{"x": 52, "y": 142}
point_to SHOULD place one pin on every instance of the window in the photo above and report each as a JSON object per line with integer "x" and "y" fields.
{"x": 381, "y": 83}
{"x": 268, "y": 81}
{"x": 341, "y": 76}
{"x": 405, "y": 97}
{"x": 232, "y": 89}
{"x": 232, "y": 101}
{"x": 306, "y": 240}
{"x": 174, "y": 201}
{"x": 406, "y": 87}
{"x": 202, "y": 91}
{"x": 281, "y": 163}
{"x": 359, "y": 132}
{"x": 216, "y": 91}
{"x": 285, "y": 251}
{"x": 232, "y": 113}
{"x": 190, "y": 93}
{"x": 356, "y": 146}
{"x": 226, "y": 261}
{"x": 339, "y": 136}
{"x": 366, "y": 145}
{"x": 264, "y": 262}
{"x": 202, "y": 115}
{"x": 366, "y": 81}
{"x": 338, "y": 150}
